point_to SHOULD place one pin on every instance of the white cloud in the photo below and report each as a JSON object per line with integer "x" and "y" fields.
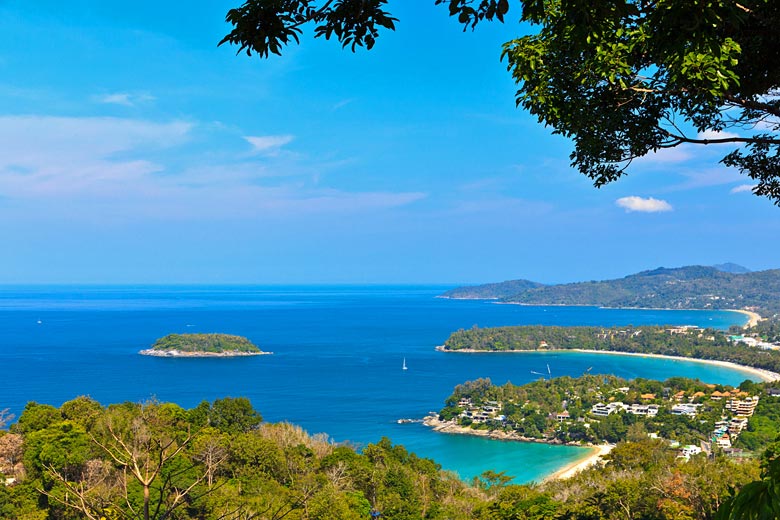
{"x": 713, "y": 134}
{"x": 674, "y": 155}
{"x": 268, "y": 144}
{"x": 648, "y": 205}
{"x": 743, "y": 188}
{"x": 124, "y": 98}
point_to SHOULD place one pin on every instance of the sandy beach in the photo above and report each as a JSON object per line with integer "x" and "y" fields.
{"x": 753, "y": 317}
{"x": 591, "y": 454}
{"x": 760, "y": 373}
{"x": 763, "y": 375}
{"x": 596, "y": 456}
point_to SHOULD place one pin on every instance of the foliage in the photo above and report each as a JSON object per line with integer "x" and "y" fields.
{"x": 215, "y": 343}
{"x": 264, "y": 26}
{"x": 155, "y": 460}
{"x": 621, "y": 79}
{"x": 75, "y": 466}
{"x": 691, "y": 287}
{"x": 760, "y": 499}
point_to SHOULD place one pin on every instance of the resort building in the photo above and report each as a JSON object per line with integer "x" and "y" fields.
{"x": 685, "y": 409}
{"x": 736, "y": 425}
{"x": 603, "y": 410}
{"x": 650, "y": 410}
{"x": 744, "y": 407}
{"x": 689, "y": 450}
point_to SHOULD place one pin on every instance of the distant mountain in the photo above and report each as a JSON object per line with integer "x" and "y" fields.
{"x": 732, "y": 268}
{"x": 691, "y": 287}
{"x": 491, "y": 291}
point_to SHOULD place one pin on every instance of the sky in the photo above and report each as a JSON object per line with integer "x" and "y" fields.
{"x": 133, "y": 149}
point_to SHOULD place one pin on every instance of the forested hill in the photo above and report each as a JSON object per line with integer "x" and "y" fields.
{"x": 691, "y": 287}
{"x": 492, "y": 291}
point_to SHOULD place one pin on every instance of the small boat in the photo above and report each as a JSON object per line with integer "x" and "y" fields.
{"x": 404, "y": 367}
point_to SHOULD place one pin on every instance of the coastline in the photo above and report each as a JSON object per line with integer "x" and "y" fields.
{"x": 184, "y": 354}
{"x": 594, "y": 455}
{"x": 762, "y": 374}
{"x": 753, "y": 317}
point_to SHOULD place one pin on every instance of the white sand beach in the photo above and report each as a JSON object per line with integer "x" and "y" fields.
{"x": 753, "y": 317}
{"x": 596, "y": 456}
{"x": 760, "y": 373}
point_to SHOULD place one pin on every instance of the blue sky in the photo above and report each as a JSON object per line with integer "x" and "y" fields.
{"x": 134, "y": 150}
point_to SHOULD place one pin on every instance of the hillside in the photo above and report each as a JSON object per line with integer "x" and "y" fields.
{"x": 691, "y": 287}
{"x": 492, "y": 291}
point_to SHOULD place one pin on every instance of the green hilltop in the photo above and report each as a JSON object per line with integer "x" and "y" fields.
{"x": 691, "y": 287}
{"x": 205, "y": 343}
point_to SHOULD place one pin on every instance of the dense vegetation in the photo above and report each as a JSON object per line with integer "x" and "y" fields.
{"x": 492, "y": 291}
{"x": 692, "y": 287}
{"x": 213, "y": 343}
{"x": 220, "y": 461}
{"x": 532, "y": 410}
{"x": 691, "y": 343}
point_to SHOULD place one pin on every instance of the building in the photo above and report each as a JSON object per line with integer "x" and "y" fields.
{"x": 687, "y": 451}
{"x": 736, "y": 426}
{"x": 744, "y": 407}
{"x": 603, "y": 410}
{"x": 650, "y": 410}
{"x": 685, "y": 409}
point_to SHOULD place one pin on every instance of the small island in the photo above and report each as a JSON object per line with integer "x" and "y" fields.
{"x": 203, "y": 345}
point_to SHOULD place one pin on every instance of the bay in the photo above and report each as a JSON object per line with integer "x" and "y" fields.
{"x": 336, "y": 367}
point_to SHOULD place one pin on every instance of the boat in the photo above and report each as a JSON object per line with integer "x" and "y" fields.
{"x": 404, "y": 367}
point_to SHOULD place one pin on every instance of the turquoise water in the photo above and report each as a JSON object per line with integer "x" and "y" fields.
{"x": 337, "y": 357}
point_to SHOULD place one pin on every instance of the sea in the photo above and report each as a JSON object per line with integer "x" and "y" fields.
{"x": 336, "y": 368}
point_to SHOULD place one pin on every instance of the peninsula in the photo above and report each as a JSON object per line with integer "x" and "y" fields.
{"x": 602, "y": 410}
{"x": 686, "y": 342}
{"x": 690, "y": 287}
{"x": 202, "y": 345}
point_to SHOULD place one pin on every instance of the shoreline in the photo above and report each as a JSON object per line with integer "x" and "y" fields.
{"x": 185, "y": 354}
{"x": 753, "y": 317}
{"x": 594, "y": 455}
{"x": 763, "y": 374}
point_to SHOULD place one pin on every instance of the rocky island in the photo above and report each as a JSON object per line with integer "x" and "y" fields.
{"x": 203, "y": 345}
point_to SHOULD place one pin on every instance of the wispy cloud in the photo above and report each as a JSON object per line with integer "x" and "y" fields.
{"x": 639, "y": 204}
{"x": 268, "y": 144}
{"x": 341, "y": 104}
{"x": 90, "y": 168}
{"x": 743, "y": 188}
{"x": 124, "y": 98}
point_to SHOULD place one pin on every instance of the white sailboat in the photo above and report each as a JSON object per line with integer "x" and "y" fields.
{"x": 404, "y": 367}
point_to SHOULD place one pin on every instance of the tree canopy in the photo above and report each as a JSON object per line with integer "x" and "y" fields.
{"x": 620, "y": 78}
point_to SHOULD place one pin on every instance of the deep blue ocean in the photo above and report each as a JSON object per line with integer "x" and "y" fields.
{"x": 336, "y": 367}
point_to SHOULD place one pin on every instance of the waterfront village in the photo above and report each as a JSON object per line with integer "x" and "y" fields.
{"x": 738, "y": 405}
{"x": 692, "y": 416}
